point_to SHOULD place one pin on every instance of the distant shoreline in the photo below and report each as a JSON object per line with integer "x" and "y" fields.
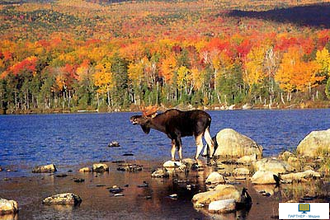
{"x": 311, "y": 105}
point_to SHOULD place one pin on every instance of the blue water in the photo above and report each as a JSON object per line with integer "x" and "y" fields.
{"x": 72, "y": 139}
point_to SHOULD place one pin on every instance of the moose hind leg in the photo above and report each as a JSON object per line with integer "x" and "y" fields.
{"x": 199, "y": 145}
{"x": 209, "y": 141}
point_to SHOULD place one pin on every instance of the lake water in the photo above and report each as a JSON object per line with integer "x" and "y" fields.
{"x": 71, "y": 139}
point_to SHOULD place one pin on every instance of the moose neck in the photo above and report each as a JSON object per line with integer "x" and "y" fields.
{"x": 158, "y": 123}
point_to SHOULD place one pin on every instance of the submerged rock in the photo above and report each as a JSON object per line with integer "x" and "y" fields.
{"x": 160, "y": 173}
{"x": 247, "y": 160}
{"x": 220, "y": 192}
{"x": 8, "y": 207}
{"x": 231, "y": 143}
{"x": 241, "y": 171}
{"x": 143, "y": 185}
{"x": 63, "y": 199}
{"x": 50, "y": 168}
{"x": 300, "y": 176}
{"x": 215, "y": 177}
{"x": 100, "y": 167}
{"x": 130, "y": 167}
{"x": 316, "y": 143}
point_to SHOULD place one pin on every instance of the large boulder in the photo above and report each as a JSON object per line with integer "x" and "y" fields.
{"x": 50, "y": 168}
{"x": 8, "y": 207}
{"x": 63, "y": 199}
{"x": 220, "y": 192}
{"x": 231, "y": 143}
{"x": 316, "y": 143}
{"x": 273, "y": 165}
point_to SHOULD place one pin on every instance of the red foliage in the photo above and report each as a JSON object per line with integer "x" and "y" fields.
{"x": 28, "y": 65}
{"x": 243, "y": 48}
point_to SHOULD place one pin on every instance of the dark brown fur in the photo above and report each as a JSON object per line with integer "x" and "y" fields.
{"x": 176, "y": 124}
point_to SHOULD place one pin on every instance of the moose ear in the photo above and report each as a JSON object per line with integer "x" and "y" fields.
{"x": 145, "y": 129}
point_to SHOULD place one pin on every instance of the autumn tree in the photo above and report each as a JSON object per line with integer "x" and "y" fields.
{"x": 294, "y": 74}
{"x": 104, "y": 80}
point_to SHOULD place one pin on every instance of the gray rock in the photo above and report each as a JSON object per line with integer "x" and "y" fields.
{"x": 50, "y": 168}
{"x": 63, "y": 199}
{"x": 315, "y": 144}
{"x": 231, "y": 143}
{"x": 8, "y": 207}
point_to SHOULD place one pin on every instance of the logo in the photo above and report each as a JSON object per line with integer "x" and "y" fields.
{"x": 304, "y": 208}
{"x": 305, "y": 211}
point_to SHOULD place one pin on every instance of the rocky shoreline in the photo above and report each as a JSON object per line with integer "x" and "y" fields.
{"x": 233, "y": 185}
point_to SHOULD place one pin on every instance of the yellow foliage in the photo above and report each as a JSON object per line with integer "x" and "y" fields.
{"x": 323, "y": 59}
{"x": 197, "y": 78}
{"x": 135, "y": 72}
{"x": 103, "y": 77}
{"x": 182, "y": 77}
{"x": 254, "y": 68}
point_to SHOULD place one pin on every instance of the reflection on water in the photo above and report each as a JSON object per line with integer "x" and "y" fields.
{"x": 152, "y": 202}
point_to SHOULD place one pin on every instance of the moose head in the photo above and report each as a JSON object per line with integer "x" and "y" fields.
{"x": 144, "y": 120}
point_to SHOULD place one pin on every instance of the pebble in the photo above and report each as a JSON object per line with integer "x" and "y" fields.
{"x": 80, "y": 180}
{"x": 173, "y": 196}
{"x": 145, "y": 184}
{"x": 62, "y": 175}
{"x": 115, "y": 189}
{"x": 114, "y": 144}
{"x": 118, "y": 195}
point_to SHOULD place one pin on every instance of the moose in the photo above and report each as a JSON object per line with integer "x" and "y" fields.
{"x": 176, "y": 124}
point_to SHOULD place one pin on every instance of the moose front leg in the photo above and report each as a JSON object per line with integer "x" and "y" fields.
{"x": 173, "y": 150}
{"x": 178, "y": 144}
{"x": 199, "y": 145}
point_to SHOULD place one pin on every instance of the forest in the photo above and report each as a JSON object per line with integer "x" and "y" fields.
{"x": 72, "y": 56}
